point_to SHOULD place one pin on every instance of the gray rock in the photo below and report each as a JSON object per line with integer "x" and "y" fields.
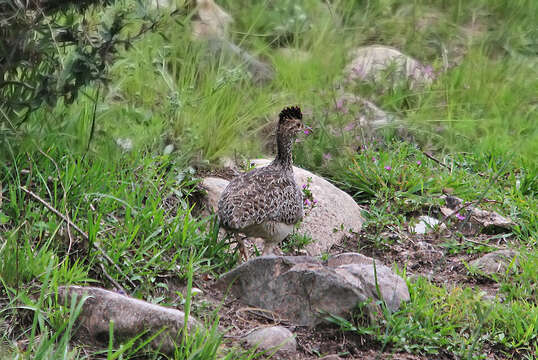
{"x": 376, "y": 62}
{"x": 214, "y": 187}
{"x": 213, "y": 21}
{"x": 479, "y": 220}
{"x": 298, "y": 288}
{"x": 336, "y": 213}
{"x": 163, "y": 4}
{"x": 427, "y": 225}
{"x": 294, "y": 287}
{"x": 393, "y": 288}
{"x": 168, "y": 149}
{"x": 125, "y": 144}
{"x": 490, "y": 220}
{"x": 131, "y": 317}
{"x": 348, "y": 258}
{"x": 496, "y": 262}
{"x": 274, "y": 338}
{"x": 212, "y": 27}
{"x": 366, "y": 113}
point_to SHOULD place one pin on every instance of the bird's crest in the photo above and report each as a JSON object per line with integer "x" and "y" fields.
{"x": 291, "y": 112}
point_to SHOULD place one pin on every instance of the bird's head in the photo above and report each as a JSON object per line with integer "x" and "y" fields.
{"x": 290, "y": 122}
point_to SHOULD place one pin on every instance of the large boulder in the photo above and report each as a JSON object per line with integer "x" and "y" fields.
{"x": 336, "y": 213}
{"x": 378, "y": 63}
{"x": 130, "y": 316}
{"x": 302, "y": 289}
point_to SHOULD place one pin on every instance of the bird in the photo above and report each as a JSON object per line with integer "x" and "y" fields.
{"x": 266, "y": 202}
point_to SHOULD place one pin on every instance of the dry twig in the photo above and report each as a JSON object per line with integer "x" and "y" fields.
{"x": 81, "y": 232}
{"x": 430, "y": 156}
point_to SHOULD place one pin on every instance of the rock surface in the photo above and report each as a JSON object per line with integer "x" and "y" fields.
{"x": 212, "y": 27}
{"x": 496, "y": 262}
{"x": 335, "y": 215}
{"x": 393, "y": 288}
{"x": 348, "y": 258}
{"x": 377, "y": 63}
{"x": 213, "y": 20}
{"x": 125, "y": 144}
{"x": 274, "y": 338}
{"x": 479, "y": 220}
{"x": 214, "y": 186}
{"x": 131, "y": 317}
{"x": 366, "y": 113}
{"x": 298, "y": 288}
{"x": 163, "y": 4}
{"x": 426, "y": 225}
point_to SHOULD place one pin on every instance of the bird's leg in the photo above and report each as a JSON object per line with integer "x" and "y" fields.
{"x": 242, "y": 248}
{"x": 268, "y": 248}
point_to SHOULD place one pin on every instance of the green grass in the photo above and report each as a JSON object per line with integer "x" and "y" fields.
{"x": 451, "y": 321}
{"x": 478, "y": 119}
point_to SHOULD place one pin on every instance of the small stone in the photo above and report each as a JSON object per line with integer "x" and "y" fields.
{"x": 214, "y": 186}
{"x": 479, "y": 220}
{"x": 168, "y": 149}
{"x": 496, "y": 262}
{"x": 125, "y": 144}
{"x": 330, "y": 357}
{"x": 273, "y": 338}
{"x": 196, "y": 291}
{"x": 426, "y": 225}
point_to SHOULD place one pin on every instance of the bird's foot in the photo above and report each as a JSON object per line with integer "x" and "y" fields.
{"x": 269, "y": 249}
{"x": 243, "y": 252}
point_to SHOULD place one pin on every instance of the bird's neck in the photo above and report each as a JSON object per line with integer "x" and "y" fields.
{"x": 284, "y": 146}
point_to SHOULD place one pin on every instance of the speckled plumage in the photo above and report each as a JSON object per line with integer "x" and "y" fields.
{"x": 266, "y": 202}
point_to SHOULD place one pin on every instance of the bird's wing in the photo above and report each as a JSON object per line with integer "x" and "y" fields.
{"x": 290, "y": 203}
{"x": 258, "y": 196}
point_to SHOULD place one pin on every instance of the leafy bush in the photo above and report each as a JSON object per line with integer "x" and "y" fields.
{"x": 50, "y": 50}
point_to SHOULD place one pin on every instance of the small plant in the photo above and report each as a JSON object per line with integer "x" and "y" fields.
{"x": 309, "y": 202}
{"x": 295, "y": 242}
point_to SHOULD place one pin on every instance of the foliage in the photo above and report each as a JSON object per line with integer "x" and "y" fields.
{"x": 48, "y": 51}
{"x": 472, "y": 134}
